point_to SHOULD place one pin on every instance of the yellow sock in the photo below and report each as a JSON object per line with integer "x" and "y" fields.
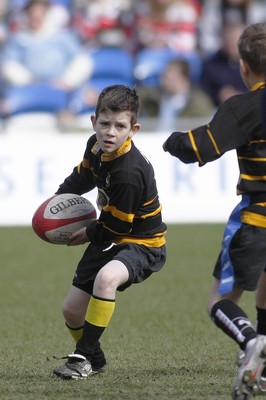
{"x": 76, "y": 333}
{"x": 100, "y": 311}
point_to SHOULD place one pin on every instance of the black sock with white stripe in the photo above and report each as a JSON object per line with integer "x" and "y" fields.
{"x": 233, "y": 321}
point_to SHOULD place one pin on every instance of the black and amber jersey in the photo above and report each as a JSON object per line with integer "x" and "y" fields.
{"x": 130, "y": 210}
{"x": 238, "y": 125}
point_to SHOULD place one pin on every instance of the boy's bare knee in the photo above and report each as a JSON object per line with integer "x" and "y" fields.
{"x": 67, "y": 310}
{"x": 105, "y": 279}
{"x": 72, "y": 315}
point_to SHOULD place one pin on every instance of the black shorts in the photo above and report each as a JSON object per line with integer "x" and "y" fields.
{"x": 141, "y": 262}
{"x": 247, "y": 251}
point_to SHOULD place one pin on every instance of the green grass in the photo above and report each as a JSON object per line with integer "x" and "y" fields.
{"x": 160, "y": 343}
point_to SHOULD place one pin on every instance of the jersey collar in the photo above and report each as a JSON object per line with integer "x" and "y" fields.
{"x": 258, "y": 85}
{"x": 115, "y": 154}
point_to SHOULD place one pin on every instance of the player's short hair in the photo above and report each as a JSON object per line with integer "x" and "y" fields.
{"x": 252, "y": 47}
{"x": 119, "y": 98}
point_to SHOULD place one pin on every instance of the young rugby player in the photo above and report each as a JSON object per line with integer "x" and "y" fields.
{"x": 127, "y": 242}
{"x": 241, "y": 264}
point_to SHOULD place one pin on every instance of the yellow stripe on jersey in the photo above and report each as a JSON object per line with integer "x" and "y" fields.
{"x": 148, "y": 242}
{"x": 84, "y": 164}
{"x": 151, "y": 201}
{"x": 194, "y": 146}
{"x": 110, "y": 230}
{"x": 100, "y": 312}
{"x": 129, "y": 217}
{"x": 253, "y": 177}
{"x": 250, "y": 218}
{"x": 256, "y": 159}
{"x": 155, "y": 212}
{"x": 213, "y": 141}
{"x": 119, "y": 214}
{"x": 257, "y": 141}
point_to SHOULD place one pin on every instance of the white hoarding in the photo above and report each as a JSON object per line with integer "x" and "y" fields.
{"x": 33, "y": 165}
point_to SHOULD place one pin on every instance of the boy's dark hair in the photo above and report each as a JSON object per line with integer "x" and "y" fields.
{"x": 252, "y": 47}
{"x": 119, "y": 98}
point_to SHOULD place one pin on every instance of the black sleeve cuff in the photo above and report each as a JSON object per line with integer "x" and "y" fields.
{"x": 90, "y": 230}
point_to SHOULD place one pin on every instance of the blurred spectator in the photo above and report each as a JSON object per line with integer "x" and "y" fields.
{"x": 3, "y": 21}
{"x": 220, "y": 71}
{"x": 58, "y": 15}
{"x": 102, "y": 22}
{"x": 167, "y": 23}
{"x": 111, "y": 65}
{"x": 215, "y": 13}
{"x": 38, "y": 55}
{"x": 176, "y": 97}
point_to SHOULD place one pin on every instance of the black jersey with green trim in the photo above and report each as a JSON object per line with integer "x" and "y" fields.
{"x": 238, "y": 125}
{"x": 128, "y": 199}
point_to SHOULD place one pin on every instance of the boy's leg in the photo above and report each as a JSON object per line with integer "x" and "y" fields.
{"x": 98, "y": 360}
{"x": 261, "y": 305}
{"x": 97, "y": 317}
{"x": 75, "y": 306}
{"x": 233, "y": 321}
{"x": 102, "y": 305}
{"x": 261, "y": 319}
{"x": 229, "y": 317}
{"x": 74, "y": 310}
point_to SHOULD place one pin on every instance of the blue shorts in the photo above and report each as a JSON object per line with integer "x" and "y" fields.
{"x": 141, "y": 262}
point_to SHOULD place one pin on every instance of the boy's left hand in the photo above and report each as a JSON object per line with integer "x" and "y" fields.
{"x": 78, "y": 237}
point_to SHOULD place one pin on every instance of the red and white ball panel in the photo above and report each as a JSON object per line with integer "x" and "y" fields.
{"x": 61, "y": 215}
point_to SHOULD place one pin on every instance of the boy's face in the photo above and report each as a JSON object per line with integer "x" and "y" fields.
{"x": 112, "y": 129}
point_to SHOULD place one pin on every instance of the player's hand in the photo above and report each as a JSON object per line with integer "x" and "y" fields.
{"x": 78, "y": 237}
{"x": 164, "y": 146}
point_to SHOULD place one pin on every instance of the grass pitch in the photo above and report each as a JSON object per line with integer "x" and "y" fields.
{"x": 160, "y": 343}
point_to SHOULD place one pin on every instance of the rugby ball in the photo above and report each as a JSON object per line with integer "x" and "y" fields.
{"x": 61, "y": 215}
